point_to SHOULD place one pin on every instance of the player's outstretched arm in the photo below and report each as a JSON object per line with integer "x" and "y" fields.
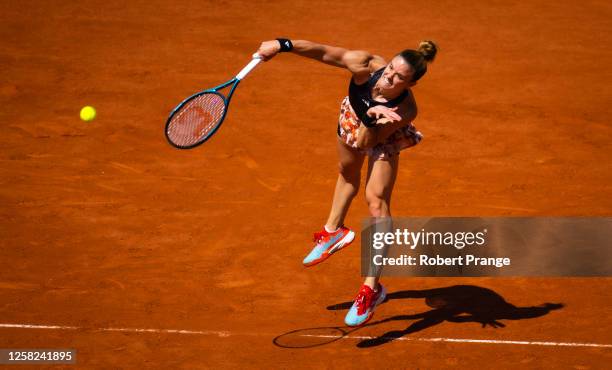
{"x": 360, "y": 63}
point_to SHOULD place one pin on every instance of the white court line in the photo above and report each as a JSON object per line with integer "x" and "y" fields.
{"x": 125, "y": 330}
{"x": 225, "y": 334}
{"x": 465, "y": 340}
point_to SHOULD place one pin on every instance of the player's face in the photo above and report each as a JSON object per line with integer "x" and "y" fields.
{"x": 397, "y": 75}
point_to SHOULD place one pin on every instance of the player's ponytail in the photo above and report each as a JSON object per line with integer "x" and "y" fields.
{"x": 428, "y": 49}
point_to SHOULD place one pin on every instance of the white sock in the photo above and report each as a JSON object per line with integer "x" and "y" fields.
{"x": 330, "y": 230}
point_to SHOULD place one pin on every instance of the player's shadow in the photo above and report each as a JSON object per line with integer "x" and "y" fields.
{"x": 458, "y": 304}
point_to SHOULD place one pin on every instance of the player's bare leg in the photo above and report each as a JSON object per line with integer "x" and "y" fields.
{"x": 347, "y": 186}
{"x": 379, "y": 186}
{"x": 335, "y": 236}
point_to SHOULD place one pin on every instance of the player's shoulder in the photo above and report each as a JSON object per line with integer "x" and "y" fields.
{"x": 357, "y": 61}
{"x": 376, "y": 62}
{"x": 362, "y": 63}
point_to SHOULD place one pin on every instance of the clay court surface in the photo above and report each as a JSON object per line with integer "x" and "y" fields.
{"x": 107, "y": 230}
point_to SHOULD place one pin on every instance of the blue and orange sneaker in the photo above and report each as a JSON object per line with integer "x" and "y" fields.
{"x": 364, "y": 305}
{"x": 328, "y": 244}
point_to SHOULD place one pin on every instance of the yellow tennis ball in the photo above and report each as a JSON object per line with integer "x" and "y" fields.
{"x": 88, "y": 113}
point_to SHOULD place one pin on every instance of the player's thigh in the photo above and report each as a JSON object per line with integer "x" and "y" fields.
{"x": 350, "y": 160}
{"x": 381, "y": 177}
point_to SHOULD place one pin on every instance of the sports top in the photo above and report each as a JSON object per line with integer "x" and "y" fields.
{"x": 360, "y": 97}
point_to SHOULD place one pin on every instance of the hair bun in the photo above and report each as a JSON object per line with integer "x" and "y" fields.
{"x": 428, "y": 49}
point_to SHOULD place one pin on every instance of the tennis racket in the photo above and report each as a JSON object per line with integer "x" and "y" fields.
{"x": 198, "y": 117}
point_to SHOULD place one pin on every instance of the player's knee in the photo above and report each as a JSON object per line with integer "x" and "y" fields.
{"x": 377, "y": 208}
{"x": 376, "y": 205}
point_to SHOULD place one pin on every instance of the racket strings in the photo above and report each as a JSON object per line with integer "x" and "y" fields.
{"x": 196, "y": 120}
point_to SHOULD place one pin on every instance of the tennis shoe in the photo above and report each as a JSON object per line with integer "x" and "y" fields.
{"x": 366, "y": 302}
{"x": 328, "y": 244}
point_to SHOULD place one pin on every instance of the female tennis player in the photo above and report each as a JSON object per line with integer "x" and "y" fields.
{"x": 375, "y": 121}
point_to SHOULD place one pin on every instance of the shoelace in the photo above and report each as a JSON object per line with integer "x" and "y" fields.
{"x": 319, "y": 236}
{"x": 363, "y": 300}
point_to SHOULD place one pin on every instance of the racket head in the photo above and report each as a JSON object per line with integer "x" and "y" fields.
{"x": 196, "y": 119}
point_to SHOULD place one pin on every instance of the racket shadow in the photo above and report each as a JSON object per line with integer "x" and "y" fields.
{"x": 311, "y": 337}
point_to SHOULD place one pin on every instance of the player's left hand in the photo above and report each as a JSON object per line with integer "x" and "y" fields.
{"x": 385, "y": 114}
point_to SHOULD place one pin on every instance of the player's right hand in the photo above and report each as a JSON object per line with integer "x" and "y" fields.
{"x": 268, "y": 49}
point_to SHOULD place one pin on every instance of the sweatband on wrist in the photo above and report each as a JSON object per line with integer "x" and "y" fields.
{"x": 285, "y": 45}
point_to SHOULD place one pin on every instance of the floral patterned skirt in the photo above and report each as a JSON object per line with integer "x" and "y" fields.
{"x": 348, "y": 129}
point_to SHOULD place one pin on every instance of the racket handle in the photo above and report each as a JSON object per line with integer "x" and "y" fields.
{"x": 249, "y": 67}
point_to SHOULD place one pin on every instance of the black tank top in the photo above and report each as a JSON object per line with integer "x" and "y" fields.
{"x": 360, "y": 96}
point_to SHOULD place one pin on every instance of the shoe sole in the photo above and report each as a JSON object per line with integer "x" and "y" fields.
{"x": 371, "y": 314}
{"x": 344, "y": 242}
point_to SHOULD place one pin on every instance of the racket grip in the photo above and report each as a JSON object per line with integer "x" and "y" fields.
{"x": 249, "y": 67}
